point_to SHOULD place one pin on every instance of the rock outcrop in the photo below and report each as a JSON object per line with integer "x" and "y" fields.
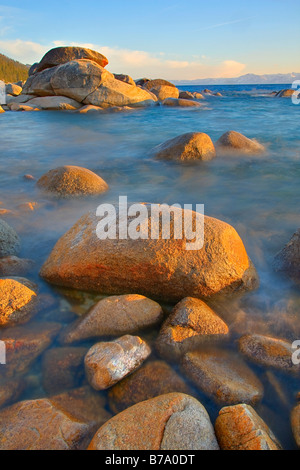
{"x": 178, "y": 102}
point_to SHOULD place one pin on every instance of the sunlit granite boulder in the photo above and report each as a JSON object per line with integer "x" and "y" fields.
{"x": 186, "y": 95}
{"x": 115, "y": 316}
{"x": 87, "y": 82}
{"x": 287, "y": 93}
{"x": 54, "y": 103}
{"x": 174, "y": 421}
{"x": 186, "y": 147}
{"x": 18, "y": 303}
{"x": 234, "y": 142}
{"x": 70, "y": 181}
{"x": 191, "y": 324}
{"x": 107, "y": 363}
{"x": 165, "y": 268}
{"x": 124, "y": 78}
{"x": 62, "y": 55}
{"x": 13, "y": 89}
{"x": 241, "y": 428}
{"x": 162, "y": 89}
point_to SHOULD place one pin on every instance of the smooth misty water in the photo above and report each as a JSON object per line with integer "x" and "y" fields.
{"x": 259, "y": 196}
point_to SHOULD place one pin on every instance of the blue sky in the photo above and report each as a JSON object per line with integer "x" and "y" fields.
{"x": 168, "y": 39}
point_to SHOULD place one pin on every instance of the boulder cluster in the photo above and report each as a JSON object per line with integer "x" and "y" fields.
{"x": 75, "y": 79}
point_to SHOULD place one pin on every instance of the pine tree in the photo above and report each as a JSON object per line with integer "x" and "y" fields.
{"x": 11, "y": 70}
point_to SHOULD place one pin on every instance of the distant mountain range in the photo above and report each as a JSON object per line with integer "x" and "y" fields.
{"x": 11, "y": 70}
{"x": 248, "y": 79}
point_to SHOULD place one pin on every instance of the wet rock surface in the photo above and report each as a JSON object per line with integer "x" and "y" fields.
{"x": 169, "y": 422}
{"x": 108, "y": 363}
{"x": 191, "y": 324}
{"x": 151, "y": 380}
{"x": 115, "y": 316}
{"x": 223, "y": 376}
{"x": 240, "y": 428}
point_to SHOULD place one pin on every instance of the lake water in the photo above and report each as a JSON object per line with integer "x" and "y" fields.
{"x": 259, "y": 196}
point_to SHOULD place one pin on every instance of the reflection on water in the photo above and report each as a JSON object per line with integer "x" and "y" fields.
{"x": 259, "y": 196}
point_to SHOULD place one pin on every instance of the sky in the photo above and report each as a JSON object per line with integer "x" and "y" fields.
{"x": 177, "y": 40}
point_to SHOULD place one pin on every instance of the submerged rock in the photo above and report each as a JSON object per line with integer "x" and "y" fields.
{"x": 62, "y": 55}
{"x": 198, "y": 96}
{"x": 288, "y": 260}
{"x": 191, "y": 324}
{"x": 295, "y": 422}
{"x": 181, "y": 103}
{"x": 108, "y": 363}
{"x": 240, "y": 428}
{"x": 287, "y": 93}
{"x": 40, "y": 425}
{"x": 223, "y": 377}
{"x": 63, "y": 369}
{"x": 9, "y": 240}
{"x": 88, "y": 109}
{"x": 187, "y": 147}
{"x": 24, "y": 344}
{"x": 70, "y": 181}
{"x": 10, "y": 391}
{"x": 162, "y": 89}
{"x": 14, "y": 266}
{"x": 18, "y": 303}
{"x": 151, "y": 380}
{"x": 158, "y": 268}
{"x": 235, "y": 142}
{"x": 115, "y": 316}
{"x": 268, "y": 352}
{"x": 169, "y": 422}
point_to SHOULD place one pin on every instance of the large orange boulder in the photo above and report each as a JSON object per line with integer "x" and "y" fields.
{"x": 169, "y": 422}
{"x": 170, "y": 269}
{"x": 234, "y": 142}
{"x": 162, "y": 89}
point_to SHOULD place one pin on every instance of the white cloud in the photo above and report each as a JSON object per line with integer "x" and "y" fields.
{"x": 133, "y": 62}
